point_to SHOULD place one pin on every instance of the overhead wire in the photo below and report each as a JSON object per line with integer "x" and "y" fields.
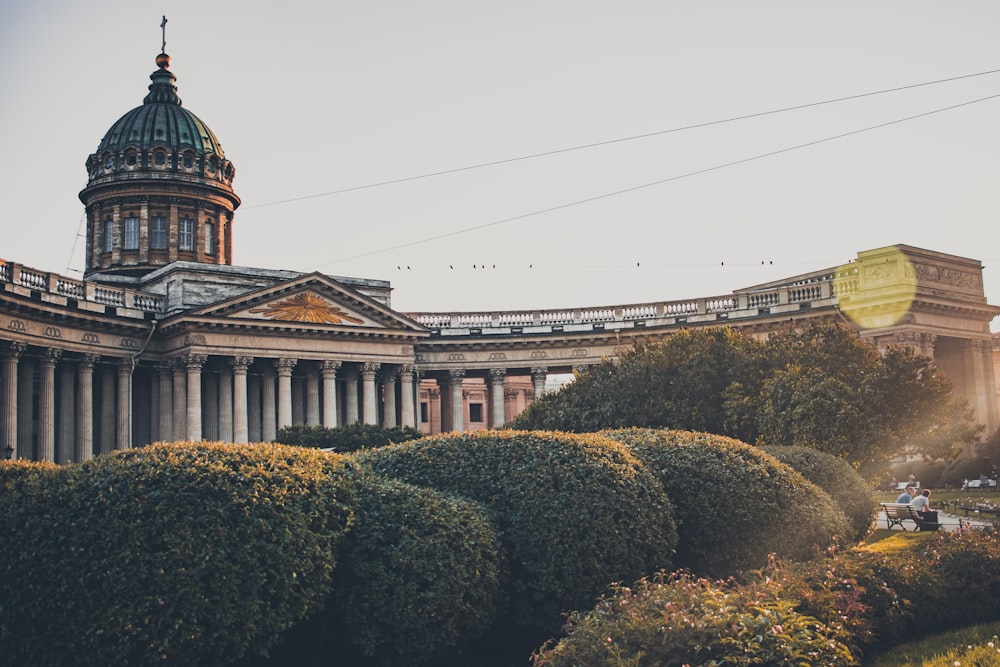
{"x": 608, "y": 142}
{"x": 670, "y": 179}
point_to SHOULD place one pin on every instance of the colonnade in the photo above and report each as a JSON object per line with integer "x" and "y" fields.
{"x": 62, "y": 407}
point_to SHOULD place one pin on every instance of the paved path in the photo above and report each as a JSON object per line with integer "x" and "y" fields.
{"x": 948, "y": 522}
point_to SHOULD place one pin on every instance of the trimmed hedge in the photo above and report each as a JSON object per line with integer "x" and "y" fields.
{"x": 419, "y": 574}
{"x": 576, "y": 512}
{"x": 841, "y": 482}
{"x": 734, "y": 503}
{"x": 188, "y": 554}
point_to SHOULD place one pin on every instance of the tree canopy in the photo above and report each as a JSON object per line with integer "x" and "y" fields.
{"x": 820, "y": 387}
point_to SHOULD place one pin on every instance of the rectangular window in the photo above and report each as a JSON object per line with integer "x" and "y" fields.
{"x": 109, "y": 235}
{"x": 424, "y": 413}
{"x": 209, "y": 238}
{"x": 158, "y": 233}
{"x": 185, "y": 234}
{"x": 475, "y": 412}
{"x": 131, "y": 233}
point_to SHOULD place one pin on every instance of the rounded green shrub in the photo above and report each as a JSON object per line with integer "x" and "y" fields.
{"x": 186, "y": 554}
{"x": 840, "y": 481}
{"x": 682, "y": 620}
{"x": 575, "y": 512}
{"x": 419, "y": 574}
{"x": 734, "y": 504}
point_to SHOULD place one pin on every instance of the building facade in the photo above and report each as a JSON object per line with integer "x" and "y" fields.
{"x": 164, "y": 339}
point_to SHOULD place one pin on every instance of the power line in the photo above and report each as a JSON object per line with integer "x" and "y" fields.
{"x": 619, "y": 140}
{"x": 661, "y": 181}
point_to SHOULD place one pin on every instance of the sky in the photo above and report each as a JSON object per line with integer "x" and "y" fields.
{"x": 319, "y": 105}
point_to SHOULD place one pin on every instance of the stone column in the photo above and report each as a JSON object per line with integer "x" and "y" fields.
{"x": 225, "y": 420}
{"x": 255, "y": 415}
{"x": 165, "y": 430}
{"x": 9, "y": 437}
{"x": 498, "y": 417}
{"x": 210, "y": 407}
{"x": 457, "y": 402}
{"x": 124, "y": 412}
{"x": 329, "y": 372}
{"x": 180, "y": 399}
{"x": 312, "y": 397}
{"x": 284, "y": 369}
{"x": 67, "y": 423}
{"x": 351, "y": 397}
{"x": 407, "y": 409}
{"x": 193, "y": 364}
{"x": 269, "y": 431}
{"x": 538, "y": 380}
{"x": 241, "y": 426}
{"x": 369, "y": 395}
{"x": 84, "y": 449}
{"x": 25, "y": 409}
{"x": 47, "y": 405}
{"x": 109, "y": 418}
{"x": 389, "y": 398}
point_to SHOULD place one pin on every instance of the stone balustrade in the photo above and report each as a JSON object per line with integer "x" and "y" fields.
{"x": 802, "y": 292}
{"x": 54, "y": 287}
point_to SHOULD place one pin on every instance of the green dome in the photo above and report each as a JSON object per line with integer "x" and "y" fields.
{"x": 160, "y": 135}
{"x": 161, "y": 120}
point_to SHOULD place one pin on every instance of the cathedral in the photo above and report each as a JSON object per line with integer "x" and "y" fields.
{"x": 166, "y": 339}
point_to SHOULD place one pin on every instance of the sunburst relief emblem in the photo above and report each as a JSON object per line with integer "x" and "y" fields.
{"x": 305, "y": 307}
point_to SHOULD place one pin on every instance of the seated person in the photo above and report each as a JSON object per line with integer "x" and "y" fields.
{"x": 906, "y": 496}
{"x": 922, "y": 503}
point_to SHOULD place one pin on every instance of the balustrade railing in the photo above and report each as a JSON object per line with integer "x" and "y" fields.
{"x": 52, "y": 283}
{"x": 746, "y": 303}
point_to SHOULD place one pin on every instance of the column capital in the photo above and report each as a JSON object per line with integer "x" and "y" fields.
{"x": 240, "y": 364}
{"x": 539, "y": 372}
{"x": 51, "y": 356}
{"x": 329, "y": 367}
{"x": 194, "y": 362}
{"x": 125, "y": 365}
{"x": 407, "y": 370}
{"x": 497, "y": 375}
{"x": 369, "y": 369}
{"x": 456, "y": 373}
{"x": 285, "y": 365}
{"x": 16, "y": 349}
{"x": 88, "y": 360}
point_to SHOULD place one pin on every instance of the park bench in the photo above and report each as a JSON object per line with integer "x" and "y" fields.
{"x": 897, "y": 513}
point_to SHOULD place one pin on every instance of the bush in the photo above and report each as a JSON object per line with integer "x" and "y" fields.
{"x": 193, "y": 554}
{"x": 840, "y": 481}
{"x": 734, "y": 503}
{"x": 348, "y": 438}
{"x": 682, "y": 620}
{"x": 576, "y": 512}
{"x": 419, "y": 574}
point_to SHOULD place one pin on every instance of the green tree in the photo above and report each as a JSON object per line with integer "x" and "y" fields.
{"x": 821, "y": 387}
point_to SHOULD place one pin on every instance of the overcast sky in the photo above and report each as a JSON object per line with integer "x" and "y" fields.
{"x": 309, "y": 98}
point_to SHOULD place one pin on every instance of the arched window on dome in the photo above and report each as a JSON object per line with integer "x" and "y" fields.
{"x": 158, "y": 232}
{"x": 109, "y": 235}
{"x": 209, "y": 238}
{"x": 188, "y": 160}
{"x": 159, "y": 158}
{"x": 185, "y": 234}
{"x": 131, "y": 240}
{"x": 131, "y": 158}
{"x": 109, "y": 162}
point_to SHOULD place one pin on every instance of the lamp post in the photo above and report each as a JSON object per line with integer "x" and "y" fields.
{"x": 8, "y": 453}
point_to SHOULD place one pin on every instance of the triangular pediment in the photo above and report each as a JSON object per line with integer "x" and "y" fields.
{"x": 312, "y": 300}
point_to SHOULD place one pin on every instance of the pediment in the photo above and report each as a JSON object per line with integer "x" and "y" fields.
{"x": 313, "y": 300}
